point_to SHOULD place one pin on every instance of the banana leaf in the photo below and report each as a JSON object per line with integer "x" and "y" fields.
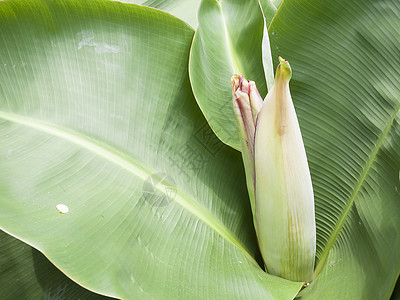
{"x": 108, "y": 166}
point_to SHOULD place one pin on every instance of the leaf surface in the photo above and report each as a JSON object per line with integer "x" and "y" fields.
{"x": 27, "y": 274}
{"x": 97, "y": 114}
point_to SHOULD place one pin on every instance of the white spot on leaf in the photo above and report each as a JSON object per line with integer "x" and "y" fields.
{"x": 87, "y": 39}
{"x": 62, "y": 208}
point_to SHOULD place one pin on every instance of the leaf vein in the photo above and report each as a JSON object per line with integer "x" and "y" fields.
{"x": 129, "y": 164}
{"x": 360, "y": 182}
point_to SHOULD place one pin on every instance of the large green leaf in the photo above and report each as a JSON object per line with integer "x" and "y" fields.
{"x": 345, "y": 60}
{"x": 183, "y": 9}
{"x": 27, "y": 274}
{"x": 228, "y": 41}
{"x": 96, "y": 113}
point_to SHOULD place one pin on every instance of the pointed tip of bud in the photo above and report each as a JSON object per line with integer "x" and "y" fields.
{"x": 281, "y": 59}
{"x": 240, "y": 83}
{"x": 235, "y": 79}
{"x": 284, "y": 71}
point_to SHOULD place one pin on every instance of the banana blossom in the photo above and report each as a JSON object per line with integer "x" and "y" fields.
{"x": 278, "y": 177}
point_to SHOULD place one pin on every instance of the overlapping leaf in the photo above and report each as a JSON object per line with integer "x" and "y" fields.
{"x": 228, "y": 41}
{"x": 345, "y": 60}
{"x": 27, "y": 274}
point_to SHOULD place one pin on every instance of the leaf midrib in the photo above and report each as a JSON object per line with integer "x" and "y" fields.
{"x": 354, "y": 194}
{"x": 235, "y": 63}
{"x": 127, "y": 163}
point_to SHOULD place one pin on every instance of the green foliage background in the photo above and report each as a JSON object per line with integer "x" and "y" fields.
{"x": 96, "y": 100}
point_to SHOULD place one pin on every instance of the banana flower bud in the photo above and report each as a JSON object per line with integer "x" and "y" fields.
{"x": 247, "y": 103}
{"x": 280, "y": 185}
